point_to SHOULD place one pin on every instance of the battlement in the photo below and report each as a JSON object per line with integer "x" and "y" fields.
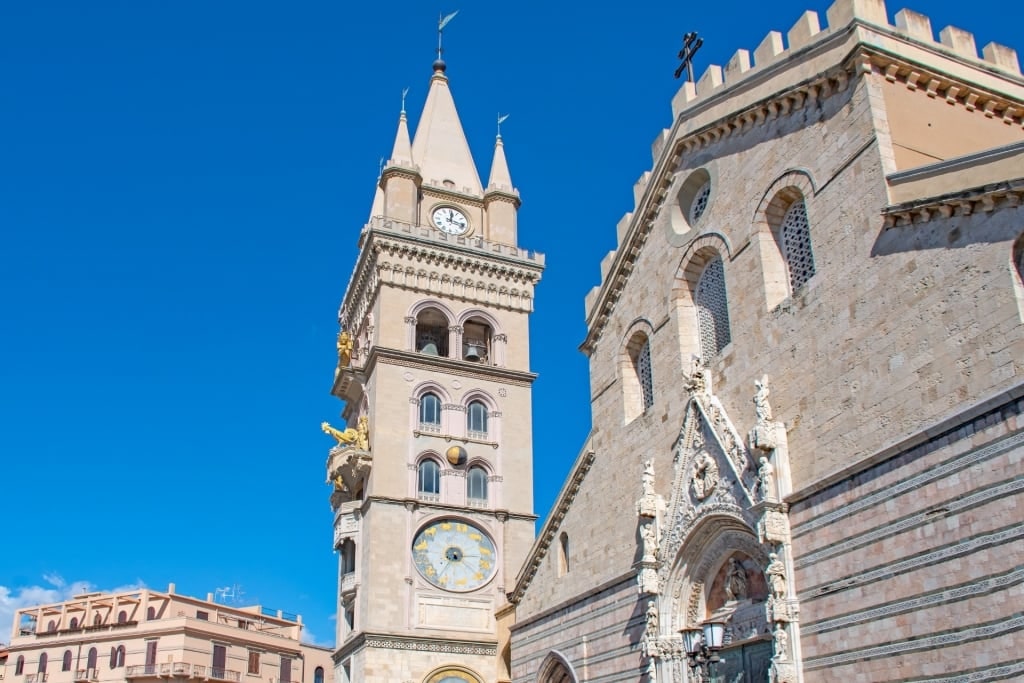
{"x": 807, "y": 31}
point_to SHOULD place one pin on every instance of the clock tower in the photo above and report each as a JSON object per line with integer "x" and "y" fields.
{"x": 432, "y": 472}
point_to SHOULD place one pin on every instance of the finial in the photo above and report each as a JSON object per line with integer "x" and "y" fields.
{"x": 501, "y": 119}
{"x": 405, "y": 91}
{"x": 442, "y": 21}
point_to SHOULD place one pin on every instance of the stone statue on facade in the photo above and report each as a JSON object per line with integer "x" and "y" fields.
{"x": 762, "y": 408}
{"x": 705, "y": 475}
{"x": 359, "y": 437}
{"x": 735, "y": 581}
{"x": 776, "y": 575}
{"x": 647, "y": 479}
{"x": 650, "y": 538}
{"x": 763, "y": 436}
{"x": 766, "y": 479}
{"x": 697, "y": 382}
{"x": 651, "y": 631}
{"x": 780, "y": 642}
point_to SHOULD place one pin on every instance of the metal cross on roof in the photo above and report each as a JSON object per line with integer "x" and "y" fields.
{"x": 691, "y": 43}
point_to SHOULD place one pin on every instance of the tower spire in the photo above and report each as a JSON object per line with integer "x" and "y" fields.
{"x": 401, "y": 152}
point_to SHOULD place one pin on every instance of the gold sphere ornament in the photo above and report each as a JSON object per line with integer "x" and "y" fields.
{"x": 456, "y": 455}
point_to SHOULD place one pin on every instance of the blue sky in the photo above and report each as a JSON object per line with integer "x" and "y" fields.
{"x": 181, "y": 188}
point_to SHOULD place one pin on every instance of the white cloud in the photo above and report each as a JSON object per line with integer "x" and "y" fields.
{"x": 55, "y": 589}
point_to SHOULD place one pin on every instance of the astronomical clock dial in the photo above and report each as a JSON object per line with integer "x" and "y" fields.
{"x": 450, "y": 220}
{"x": 454, "y": 555}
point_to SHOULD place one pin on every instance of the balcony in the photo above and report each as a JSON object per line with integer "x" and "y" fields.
{"x": 140, "y": 671}
{"x": 176, "y": 669}
{"x": 217, "y": 674}
{"x": 36, "y": 678}
{"x": 86, "y": 675}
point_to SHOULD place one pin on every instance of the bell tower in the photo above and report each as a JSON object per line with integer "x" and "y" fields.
{"x": 432, "y": 474}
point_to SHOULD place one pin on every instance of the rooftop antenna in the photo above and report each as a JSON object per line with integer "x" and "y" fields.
{"x": 228, "y": 594}
{"x": 442, "y": 21}
{"x": 691, "y": 43}
{"x": 501, "y": 120}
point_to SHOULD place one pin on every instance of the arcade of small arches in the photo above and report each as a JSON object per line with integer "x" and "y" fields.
{"x": 474, "y": 336}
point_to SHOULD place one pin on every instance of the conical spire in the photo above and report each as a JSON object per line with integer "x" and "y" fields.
{"x": 377, "y": 208}
{"x": 440, "y": 148}
{"x": 401, "y": 153}
{"x": 500, "y": 178}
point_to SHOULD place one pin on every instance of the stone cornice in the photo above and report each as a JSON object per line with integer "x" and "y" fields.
{"x": 456, "y": 258}
{"x": 422, "y": 644}
{"x": 584, "y": 461}
{"x": 444, "y": 193}
{"x": 862, "y": 59}
{"x": 449, "y": 366}
{"x": 500, "y": 515}
{"x": 407, "y": 172}
{"x": 986, "y": 198}
{"x": 493, "y": 195}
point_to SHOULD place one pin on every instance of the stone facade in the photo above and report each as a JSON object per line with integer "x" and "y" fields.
{"x": 836, "y": 226}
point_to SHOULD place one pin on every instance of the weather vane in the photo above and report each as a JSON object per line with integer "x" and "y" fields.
{"x": 441, "y": 23}
{"x": 501, "y": 120}
{"x": 405, "y": 91}
{"x": 691, "y": 43}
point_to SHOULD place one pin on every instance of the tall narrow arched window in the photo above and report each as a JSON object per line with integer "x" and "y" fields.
{"x": 150, "y": 613}
{"x": 428, "y": 480}
{"x": 318, "y": 675}
{"x": 51, "y": 626}
{"x": 65, "y": 664}
{"x": 642, "y": 366}
{"x": 122, "y": 617}
{"x": 430, "y": 413}
{"x": 73, "y": 624}
{"x": 563, "y": 554}
{"x": 42, "y": 663}
{"x": 19, "y": 665}
{"x": 476, "y": 419}
{"x": 91, "y": 659}
{"x": 712, "y": 309}
{"x": 476, "y": 486}
{"x": 795, "y": 234}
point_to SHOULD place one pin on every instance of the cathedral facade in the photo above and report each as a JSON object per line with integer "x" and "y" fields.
{"x": 806, "y": 353}
{"x": 806, "y": 389}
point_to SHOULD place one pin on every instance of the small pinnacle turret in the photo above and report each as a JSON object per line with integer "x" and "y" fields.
{"x": 500, "y": 178}
{"x": 401, "y": 152}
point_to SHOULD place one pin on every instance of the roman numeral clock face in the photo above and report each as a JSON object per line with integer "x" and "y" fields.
{"x": 450, "y": 220}
{"x": 454, "y": 555}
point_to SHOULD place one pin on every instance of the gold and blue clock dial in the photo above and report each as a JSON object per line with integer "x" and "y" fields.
{"x": 454, "y": 555}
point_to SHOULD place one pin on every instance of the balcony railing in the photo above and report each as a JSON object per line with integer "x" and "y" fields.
{"x": 86, "y": 675}
{"x": 36, "y": 678}
{"x": 198, "y": 671}
{"x": 470, "y": 242}
{"x": 180, "y": 669}
{"x": 223, "y": 674}
{"x": 140, "y": 670}
{"x": 348, "y": 583}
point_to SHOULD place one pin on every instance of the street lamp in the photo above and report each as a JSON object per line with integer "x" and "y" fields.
{"x": 702, "y": 646}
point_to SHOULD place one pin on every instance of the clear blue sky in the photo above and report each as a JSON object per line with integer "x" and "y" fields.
{"x": 181, "y": 187}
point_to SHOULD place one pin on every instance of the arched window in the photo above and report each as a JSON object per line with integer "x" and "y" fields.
{"x": 642, "y": 368}
{"x": 117, "y": 656}
{"x": 555, "y": 671}
{"x": 73, "y": 624}
{"x": 476, "y": 419}
{"x": 476, "y": 486}
{"x": 19, "y": 665}
{"x": 712, "y": 309}
{"x": 122, "y": 617}
{"x": 65, "y": 664}
{"x": 476, "y": 341}
{"x": 430, "y": 413}
{"x": 563, "y": 554}
{"x": 428, "y": 480}
{"x": 91, "y": 659}
{"x": 150, "y": 613}
{"x": 318, "y": 675}
{"x": 51, "y": 626}
{"x": 42, "y": 663}
{"x": 795, "y": 238}
{"x": 432, "y": 332}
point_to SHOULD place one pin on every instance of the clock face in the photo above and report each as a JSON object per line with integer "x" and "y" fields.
{"x": 454, "y": 555}
{"x": 450, "y": 220}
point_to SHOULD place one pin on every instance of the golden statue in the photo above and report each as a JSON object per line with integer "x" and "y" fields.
{"x": 359, "y": 437}
{"x": 344, "y": 349}
{"x": 339, "y": 485}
